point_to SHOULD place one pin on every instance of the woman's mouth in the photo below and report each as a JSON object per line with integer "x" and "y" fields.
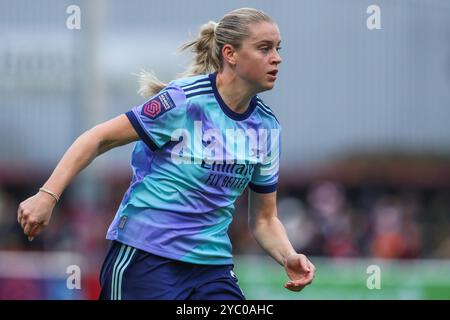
{"x": 272, "y": 74}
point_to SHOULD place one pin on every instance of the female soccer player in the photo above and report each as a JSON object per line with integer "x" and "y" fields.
{"x": 203, "y": 139}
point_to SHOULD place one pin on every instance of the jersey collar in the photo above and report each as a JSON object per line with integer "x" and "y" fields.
{"x": 226, "y": 109}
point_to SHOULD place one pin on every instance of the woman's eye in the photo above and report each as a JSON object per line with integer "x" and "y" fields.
{"x": 279, "y": 48}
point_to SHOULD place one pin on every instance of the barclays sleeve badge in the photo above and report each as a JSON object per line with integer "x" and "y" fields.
{"x": 158, "y": 105}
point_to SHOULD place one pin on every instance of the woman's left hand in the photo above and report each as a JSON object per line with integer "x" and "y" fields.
{"x": 300, "y": 270}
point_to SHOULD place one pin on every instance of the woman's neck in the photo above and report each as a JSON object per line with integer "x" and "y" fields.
{"x": 234, "y": 91}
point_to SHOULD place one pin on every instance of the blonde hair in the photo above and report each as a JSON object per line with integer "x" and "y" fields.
{"x": 232, "y": 29}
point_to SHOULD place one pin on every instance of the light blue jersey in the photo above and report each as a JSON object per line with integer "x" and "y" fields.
{"x": 195, "y": 157}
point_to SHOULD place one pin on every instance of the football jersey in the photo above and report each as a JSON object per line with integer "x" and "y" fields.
{"x": 195, "y": 156}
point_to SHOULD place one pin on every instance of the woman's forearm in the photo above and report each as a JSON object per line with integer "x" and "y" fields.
{"x": 35, "y": 212}
{"x": 271, "y": 236}
{"x": 84, "y": 149}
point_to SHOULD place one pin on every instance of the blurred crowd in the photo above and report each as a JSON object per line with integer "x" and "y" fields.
{"x": 324, "y": 218}
{"x": 329, "y": 219}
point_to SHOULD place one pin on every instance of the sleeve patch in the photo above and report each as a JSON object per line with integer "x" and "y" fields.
{"x": 158, "y": 105}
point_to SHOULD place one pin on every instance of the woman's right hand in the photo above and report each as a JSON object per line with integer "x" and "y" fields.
{"x": 34, "y": 214}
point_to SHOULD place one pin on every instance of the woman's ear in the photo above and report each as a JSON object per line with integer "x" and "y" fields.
{"x": 229, "y": 54}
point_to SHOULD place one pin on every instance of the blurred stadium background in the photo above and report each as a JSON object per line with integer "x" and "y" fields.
{"x": 365, "y": 175}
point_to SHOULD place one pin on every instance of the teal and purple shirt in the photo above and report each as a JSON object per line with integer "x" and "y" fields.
{"x": 195, "y": 157}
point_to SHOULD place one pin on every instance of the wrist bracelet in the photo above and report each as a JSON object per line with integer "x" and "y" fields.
{"x": 54, "y": 195}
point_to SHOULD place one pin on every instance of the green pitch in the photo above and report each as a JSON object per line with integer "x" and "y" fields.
{"x": 262, "y": 278}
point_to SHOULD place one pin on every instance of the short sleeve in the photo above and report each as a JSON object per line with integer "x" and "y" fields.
{"x": 159, "y": 117}
{"x": 265, "y": 176}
